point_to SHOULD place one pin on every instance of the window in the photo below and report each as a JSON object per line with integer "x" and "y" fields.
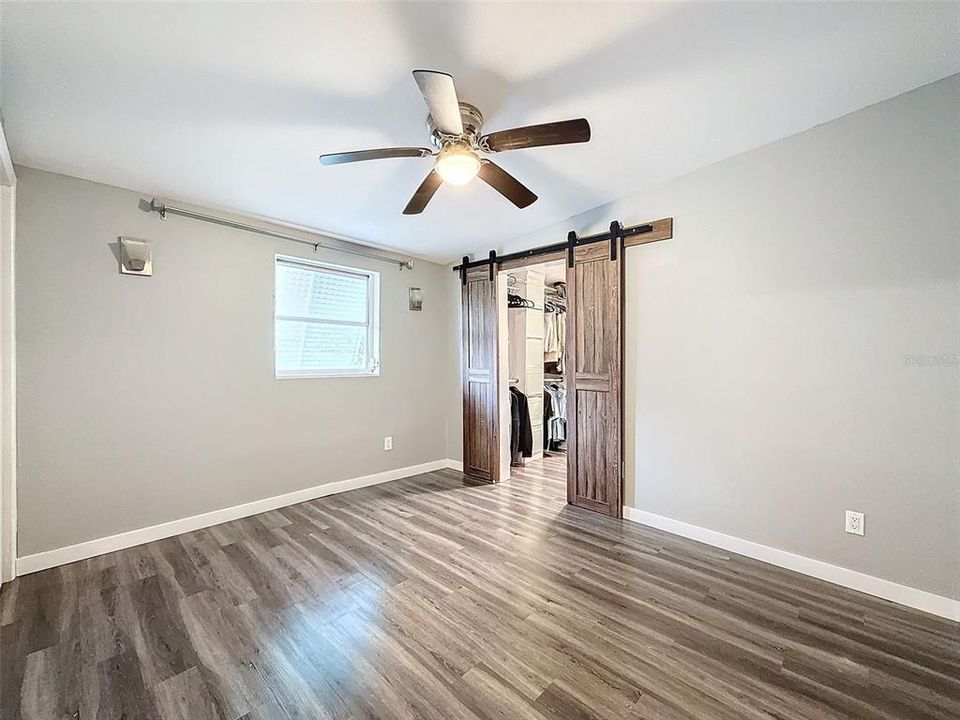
{"x": 326, "y": 320}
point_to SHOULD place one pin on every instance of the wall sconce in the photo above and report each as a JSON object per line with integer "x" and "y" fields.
{"x": 135, "y": 257}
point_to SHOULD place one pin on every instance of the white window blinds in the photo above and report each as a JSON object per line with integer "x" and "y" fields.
{"x": 325, "y": 320}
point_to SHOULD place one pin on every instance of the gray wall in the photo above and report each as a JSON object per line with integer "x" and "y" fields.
{"x": 454, "y": 382}
{"x": 792, "y": 352}
{"x": 144, "y": 400}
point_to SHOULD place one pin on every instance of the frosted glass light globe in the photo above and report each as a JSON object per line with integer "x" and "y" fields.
{"x": 458, "y": 165}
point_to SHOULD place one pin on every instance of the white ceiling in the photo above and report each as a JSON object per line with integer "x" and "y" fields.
{"x": 229, "y": 105}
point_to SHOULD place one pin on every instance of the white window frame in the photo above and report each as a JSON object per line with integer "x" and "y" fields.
{"x": 372, "y": 322}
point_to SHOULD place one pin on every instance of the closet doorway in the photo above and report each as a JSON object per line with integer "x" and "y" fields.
{"x": 536, "y": 307}
{"x": 552, "y": 333}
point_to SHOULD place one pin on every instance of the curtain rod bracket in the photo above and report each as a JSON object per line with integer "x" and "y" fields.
{"x": 463, "y": 270}
{"x": 158, "y": 208}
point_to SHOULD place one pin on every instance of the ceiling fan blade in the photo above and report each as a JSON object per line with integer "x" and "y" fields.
{"x": 555, "y": 133}
{"x": 441, "y": 97}
{"x": 431, "y": 183}
{"x": 506, "y": 184}
{"x": 378, "y": 154}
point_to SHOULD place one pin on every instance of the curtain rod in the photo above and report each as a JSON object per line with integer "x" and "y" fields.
{"x": 162, "y": 209}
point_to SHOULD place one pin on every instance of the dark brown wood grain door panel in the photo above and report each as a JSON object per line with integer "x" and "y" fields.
{"x": 594, "y": 377}
{"x": 481, "y": 453}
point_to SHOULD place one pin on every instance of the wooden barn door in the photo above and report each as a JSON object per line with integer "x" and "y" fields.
{"x": 481, "y": 448}
{"x": 594, "y": 362}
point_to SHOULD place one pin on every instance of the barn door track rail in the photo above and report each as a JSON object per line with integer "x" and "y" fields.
{"x": 618, "y": 236}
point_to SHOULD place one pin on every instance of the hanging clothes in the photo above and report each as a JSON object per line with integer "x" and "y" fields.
{"x": 555, "y": 325}
{"x": 561, "y": 338}
{"x": 554, "y": 336}
{"x": 549, "y": 412}
{"x": 554, "y": 416}
{"x": 521, "y": 429}
{"x": 514, "y": 430}
{"x": 550, "y": 345}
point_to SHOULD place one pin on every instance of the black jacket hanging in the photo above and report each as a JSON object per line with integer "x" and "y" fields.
{"x": 514, "y": 430}
{"x": 521, "y": 430}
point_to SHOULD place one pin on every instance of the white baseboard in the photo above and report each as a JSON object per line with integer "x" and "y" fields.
{"x": 455, "y": 464}
{"x": 100, "y": 546}
{"x": 886, "y": 589}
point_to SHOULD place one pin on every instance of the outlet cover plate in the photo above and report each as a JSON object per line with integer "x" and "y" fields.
{"x": 388, "y": 442}
{"x": 854, "y": 522}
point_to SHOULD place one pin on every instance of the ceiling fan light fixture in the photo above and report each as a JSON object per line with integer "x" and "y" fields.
{"x": 456, "y": 131}
{"x": 458, "y": 165}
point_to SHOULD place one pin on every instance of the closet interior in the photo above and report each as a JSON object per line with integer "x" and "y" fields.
{"x": 536, "y": 330}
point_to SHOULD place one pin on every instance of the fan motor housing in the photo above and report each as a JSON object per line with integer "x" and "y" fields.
{"x": 472, "y": 120}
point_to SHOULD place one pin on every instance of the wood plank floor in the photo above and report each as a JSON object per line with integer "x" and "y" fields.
{"x": 433, "y": 597}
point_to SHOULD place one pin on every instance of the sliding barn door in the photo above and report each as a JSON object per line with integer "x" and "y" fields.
{"x": 594, "y": 362}
{"x": 481, "y": 448}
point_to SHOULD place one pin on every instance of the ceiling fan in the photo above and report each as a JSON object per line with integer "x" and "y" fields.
{"x": 455, "y": 134}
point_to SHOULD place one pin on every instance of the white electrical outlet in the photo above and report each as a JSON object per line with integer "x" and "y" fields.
{"x": 388, "y": 442}
{"x": 854, "y": 524}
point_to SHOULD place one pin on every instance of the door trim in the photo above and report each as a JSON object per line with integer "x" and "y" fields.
{"x": 8, "y": 367}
